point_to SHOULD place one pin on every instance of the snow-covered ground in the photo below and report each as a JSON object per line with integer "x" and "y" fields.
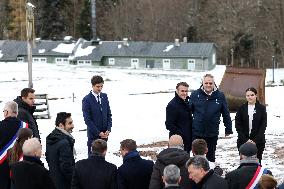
{"x": 138, "y": 99}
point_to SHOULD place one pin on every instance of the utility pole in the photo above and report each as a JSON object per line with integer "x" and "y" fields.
{"x": 273, "y": 67}
{"x": 30, "y": 36}
{"x": 232, "y": 56}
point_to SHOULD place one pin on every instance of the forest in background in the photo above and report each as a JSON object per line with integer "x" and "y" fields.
{"x": 248, "y": 31}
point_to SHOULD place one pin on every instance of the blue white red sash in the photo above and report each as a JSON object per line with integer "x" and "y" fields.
{"x": 3, "y": 152}
{"x": 254, "y": 181}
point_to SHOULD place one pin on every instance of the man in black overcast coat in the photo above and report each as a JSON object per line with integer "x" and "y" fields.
{"x": 178, "y": 115}
{"x": 26, "y": 109}
{"x": 135, "y": 172}
{"x": 95, "y": 172}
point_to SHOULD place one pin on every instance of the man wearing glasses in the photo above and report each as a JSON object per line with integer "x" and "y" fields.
{"x": 8, "y": 132}
{"x": 207, "y": 104}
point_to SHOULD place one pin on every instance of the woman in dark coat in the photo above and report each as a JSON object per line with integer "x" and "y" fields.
{"x": 251, "y": 122}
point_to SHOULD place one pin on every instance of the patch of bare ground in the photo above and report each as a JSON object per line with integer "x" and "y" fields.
{"x": 154, "y": 144}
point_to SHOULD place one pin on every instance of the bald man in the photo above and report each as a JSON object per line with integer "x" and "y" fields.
{"x": 8, "y": 135}
{"x": 174, "y": 154}
{"x": 31, "y": 173}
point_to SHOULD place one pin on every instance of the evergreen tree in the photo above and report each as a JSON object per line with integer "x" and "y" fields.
{"x": 16, "y": 19}
{"x": 84, "y": 22}
{"x": 53, "y": 22}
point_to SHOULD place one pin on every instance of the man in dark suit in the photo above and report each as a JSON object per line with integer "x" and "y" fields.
{"x": 178, "y": 115}
{"x": 135, "y": 172}
{"x": 95, "y": 172}
{"x": 8, "y": 135}
{"x": 96, "y": 112}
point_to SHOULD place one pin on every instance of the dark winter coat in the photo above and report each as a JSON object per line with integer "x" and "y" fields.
{"x": 94, "y": 172}
{"x": 135, "y": 172}
{"x": 179, "y": 120}
{"x": 97, "y": 116}
{"x": 26, "y": 114}
{"x": 241, "y": 177}
{"x": 259, "y": 124}
{"x": 30, "y": 174}
{"x": 8, "y": 133}
{"x": 166, "y": 157}
{"x": 207, "y": 110}
{"x": 60, "y": 158}
{"x": 212, "y": 181}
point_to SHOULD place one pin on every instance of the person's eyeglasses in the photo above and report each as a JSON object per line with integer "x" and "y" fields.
{"x": 184, "y": 91}
{"x": 208, "y": 83}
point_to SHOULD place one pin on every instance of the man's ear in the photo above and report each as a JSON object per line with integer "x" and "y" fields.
{"x": 206, "y": 151}
{"x": 61, "y": 125}
{"x": 164, "y": 180}
{"x": 179, "y": 179}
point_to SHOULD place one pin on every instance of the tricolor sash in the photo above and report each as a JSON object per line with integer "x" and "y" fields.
{"x": 3, "y": 152}
{"x": 254, "y": 181}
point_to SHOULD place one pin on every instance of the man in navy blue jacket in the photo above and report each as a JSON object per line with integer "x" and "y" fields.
{"x": 207, "y": 105}
{"x": 96, "y": 112}
{"x": 178, "y": 115}
{"x": 135, "y": 172}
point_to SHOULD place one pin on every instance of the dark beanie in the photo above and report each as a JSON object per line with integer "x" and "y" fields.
{"x": 248, "y": 149}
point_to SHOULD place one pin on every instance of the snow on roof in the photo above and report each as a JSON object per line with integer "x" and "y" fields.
{"x": 30, "y": 5}
{"x": 64, "y": 48}
{"x": 84, "y": 52}
{"x": 41, "y": 50}
{"x": 168, "y": 48}
{"x": 67, "y": 38}
{"x": 1, "y": 55}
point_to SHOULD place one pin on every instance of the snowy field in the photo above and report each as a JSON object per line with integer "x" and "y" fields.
{"x": 138, "y": 100}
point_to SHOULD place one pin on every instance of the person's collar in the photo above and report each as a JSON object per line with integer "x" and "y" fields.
{"x": 181, "y": 147}
{"x": 95, "y": 94}
{"x": 169, "y": 185}
{"x": 249, "y": 160}
{"x": 64, "y": 132}
{"x": 130, "y": 154}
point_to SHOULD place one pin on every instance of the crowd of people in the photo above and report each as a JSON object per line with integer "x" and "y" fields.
{"x": 188, "y": 162}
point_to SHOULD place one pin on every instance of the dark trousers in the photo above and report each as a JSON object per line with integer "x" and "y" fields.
{"x": 211, "y": 145}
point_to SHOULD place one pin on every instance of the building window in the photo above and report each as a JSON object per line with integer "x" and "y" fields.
{"x": 20, "y": 59}
{"x": 166, "y": 64}
{"x": 111, "y": 61}
{"x": 134, "y": 63}
{"x": 84, "y": 62}
{"x": 191, "y": 64}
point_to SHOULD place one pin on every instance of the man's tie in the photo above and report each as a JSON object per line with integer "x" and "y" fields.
{"x": 99, "y": 99}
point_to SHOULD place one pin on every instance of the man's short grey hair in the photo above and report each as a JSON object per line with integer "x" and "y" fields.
{"x": 11, "y": 107}
{"x": 198, "y": 161}
{"x": 171, "y": 174}
{"x": 31, "y": 146}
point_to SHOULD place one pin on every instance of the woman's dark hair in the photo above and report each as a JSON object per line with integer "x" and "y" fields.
{"x": 15, "y": 153}
{"x": 252, "y": 89}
